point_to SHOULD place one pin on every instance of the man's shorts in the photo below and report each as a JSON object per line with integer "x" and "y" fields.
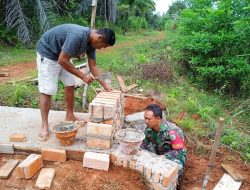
{"x": 49, "y": 71}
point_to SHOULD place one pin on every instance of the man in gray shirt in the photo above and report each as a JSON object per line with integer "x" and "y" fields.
{"x": 55, "y": 49}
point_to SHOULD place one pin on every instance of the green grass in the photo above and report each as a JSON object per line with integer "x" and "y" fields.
{"x": 134, "y": 50}
{"x": 11, "y": 56}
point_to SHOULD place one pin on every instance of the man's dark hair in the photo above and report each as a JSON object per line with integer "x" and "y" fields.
{"x": 108, "y": 35}
{"x": 157, "y": 111}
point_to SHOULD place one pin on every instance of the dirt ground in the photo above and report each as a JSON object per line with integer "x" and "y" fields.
{"x": 196, "y": 167}
{"x": 71, "y": 175}
{"x": 18, "y": 71}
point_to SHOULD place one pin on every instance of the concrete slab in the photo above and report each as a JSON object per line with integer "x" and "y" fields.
{"x": 28, "y": 121}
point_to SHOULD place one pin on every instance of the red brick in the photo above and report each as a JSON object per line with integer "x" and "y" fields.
{"x": 148, "y": 172}
{"x": 98, "y": 143}
{"x": 102, "y": 110}
{"x": 96, "y": 161}
{"x": 125, "y": 162}
{"x": 28, "y": 168}
{"x": 169, "y": 176}
{"x": 99, "y": 129}
{"x": 109, "y": 122}
{"x": 51, "y": 154}
{"x": 7, "y": 168}
{"x": 132, "y": 164}
{"x": 112, "y": 158}
{"x": 17, "y": 137}
{"x": 45, "y": 178}
{"x": 156, "y": 177}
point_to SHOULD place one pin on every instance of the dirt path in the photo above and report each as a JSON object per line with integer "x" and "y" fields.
{"x": 22, "y": 70}
{"x": 17, "y": 71}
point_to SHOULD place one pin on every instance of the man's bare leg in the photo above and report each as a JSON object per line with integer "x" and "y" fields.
{"x": 69, "y": 101}
{"x": 45, "y": 102}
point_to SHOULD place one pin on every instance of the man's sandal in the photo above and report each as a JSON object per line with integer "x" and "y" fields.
{"x": 43, "y": 137}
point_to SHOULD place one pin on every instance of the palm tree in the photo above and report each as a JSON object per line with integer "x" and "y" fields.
{"x": 140, "y": 6}
{"x": 14, "y": 15}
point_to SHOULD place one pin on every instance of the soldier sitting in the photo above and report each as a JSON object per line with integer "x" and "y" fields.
{"x": 163, "y": 137}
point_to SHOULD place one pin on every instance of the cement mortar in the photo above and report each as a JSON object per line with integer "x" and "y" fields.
{"x": 130, "y": 135}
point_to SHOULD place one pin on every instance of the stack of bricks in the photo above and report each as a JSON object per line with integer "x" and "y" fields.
{"x": 161, "y": 173}
{"x": 107, "y": 115}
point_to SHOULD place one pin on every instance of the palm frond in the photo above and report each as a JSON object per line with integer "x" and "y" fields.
{"x": 42, "y": 7}
{"x": 83, "y": 6}
{"x": 15, "y": 18}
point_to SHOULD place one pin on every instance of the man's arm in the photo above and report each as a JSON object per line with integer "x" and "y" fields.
{"x": 64, "y": 61}
{"x": 96, "y": 72}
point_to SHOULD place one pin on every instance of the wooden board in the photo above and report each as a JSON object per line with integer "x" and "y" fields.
{"x": 231, "y": 171}
{"x": 122, "y": 84}
{"x": 227, "y": 183}
{"x": 131, "y": 87}
{"x": 7, "y": 168}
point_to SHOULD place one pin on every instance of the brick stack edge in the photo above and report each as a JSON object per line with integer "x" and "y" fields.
{"x": 162, "y": 174}
{"x": 107, "y": 115}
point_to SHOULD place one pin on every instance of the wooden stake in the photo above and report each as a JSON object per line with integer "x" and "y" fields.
{"x": 94, "y": 5}
{"x": 92, "y": 26}
{"x": 213, "y": 153}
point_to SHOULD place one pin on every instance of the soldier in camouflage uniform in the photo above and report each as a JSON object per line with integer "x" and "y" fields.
{"x": 163, "y": 137}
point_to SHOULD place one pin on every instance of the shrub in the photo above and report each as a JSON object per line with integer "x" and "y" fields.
{"x": 137, "y": 22}
{"x": 215, "y": 47}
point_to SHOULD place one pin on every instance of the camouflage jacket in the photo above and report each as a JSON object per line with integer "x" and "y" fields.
{"x": 160, "y": 143}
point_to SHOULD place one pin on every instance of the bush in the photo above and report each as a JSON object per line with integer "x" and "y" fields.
{"x": 214, "y": 42}
{"x": 7, "y": 36}
{"x": 137, "y": 22}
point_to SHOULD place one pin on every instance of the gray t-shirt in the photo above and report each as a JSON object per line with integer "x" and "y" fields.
{"x": 71, "y": 38}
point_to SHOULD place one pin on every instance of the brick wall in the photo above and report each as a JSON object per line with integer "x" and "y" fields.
{"x": 160, "y": 172}
{"x": 107, "y": 115}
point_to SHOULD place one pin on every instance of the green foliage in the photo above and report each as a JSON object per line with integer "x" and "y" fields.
{"x": 214, "y": 41}
{"x": 19, "y": 95}
{"x": 7, "y": 36}
{"x": 237, "y": 141}
{"x": 176, "y": 7}
{"x": 15, "y": 55}
{"x": 135, "y": 22}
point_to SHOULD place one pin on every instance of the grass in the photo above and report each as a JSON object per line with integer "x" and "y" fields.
{"x": 134, "y": 50}
{"x": 11, "y": 56}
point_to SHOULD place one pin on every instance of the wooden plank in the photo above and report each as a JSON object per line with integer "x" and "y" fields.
{"x": 122, "y": 84}
{"x": 4, "y": 74}
{"x": 232, "y": 172}
{"x": 131, "y": 87}
{"x": 227, "y": 183}
{"x": 7, "y": 168}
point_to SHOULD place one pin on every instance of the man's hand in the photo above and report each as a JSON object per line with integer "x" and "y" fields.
{"x": 107, "y": 88}
{"x": 88, "y": 79}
